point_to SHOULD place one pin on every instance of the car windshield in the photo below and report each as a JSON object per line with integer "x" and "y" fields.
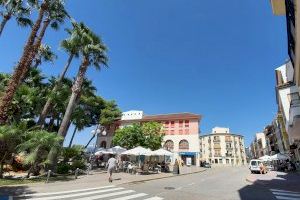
{"x": 254, "y": 163}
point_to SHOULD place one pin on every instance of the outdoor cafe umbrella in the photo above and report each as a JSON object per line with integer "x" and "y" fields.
{"x": 265, "y": 158}
{"x": 138, "y": 151}
{"x": 117, "y": 150}
{"x": 162, "y": 152}
{"x": 280, "y": 156}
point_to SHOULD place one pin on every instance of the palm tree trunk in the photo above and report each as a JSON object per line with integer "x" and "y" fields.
{"x": 65, "y": 124}
{"x": 48, "y": 104}
{"x": 4, "y": 21}
{"x": 20, "y": 70}
{"x": 76, "y": 89}
{"x": 71, "y": 141}
{"x": 90, "y": 141}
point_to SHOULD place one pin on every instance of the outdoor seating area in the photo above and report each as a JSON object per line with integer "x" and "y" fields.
{"x": 278, "y": 162}
{"x": 139, "y": 160}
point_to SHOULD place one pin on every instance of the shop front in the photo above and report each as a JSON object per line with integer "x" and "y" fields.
{"x": 188, "y": 158}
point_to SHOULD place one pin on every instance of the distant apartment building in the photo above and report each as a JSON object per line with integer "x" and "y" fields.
{"x": 258, "y": 147}
{"x": 288, "y": 77}
{"x": 181, "y": 132}
{"x": 222, "y": 147}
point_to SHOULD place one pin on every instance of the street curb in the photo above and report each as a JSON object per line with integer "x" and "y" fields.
{"x": 248, "y": 180}
{"x": 130, "y": 182}
{"x": 152, "y": 179}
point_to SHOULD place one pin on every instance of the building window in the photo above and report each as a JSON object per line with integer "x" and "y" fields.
{"x": 172, "y": 132}
{"x": 186, "y": 123}
{"x": 103, "y": 144}
{"x": 180, "y": 123}
{"x": 166, "y": 124}
{"x": 220, "y": 161}
{"x": 169, "y": 145}
{"x": 184, "y": 145}
{"x": 186, "y": 131}
{"x": 180, "y": 132}
{"x": 172, "y": 124}
{"x": 227, "y": 161}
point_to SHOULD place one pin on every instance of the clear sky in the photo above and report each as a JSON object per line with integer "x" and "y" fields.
{"x": 214, "y": 58}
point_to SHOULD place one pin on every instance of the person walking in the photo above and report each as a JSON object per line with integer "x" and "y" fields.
{"x": 111, "y": 166}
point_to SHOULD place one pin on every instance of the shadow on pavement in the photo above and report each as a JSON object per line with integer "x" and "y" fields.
{"x": 14, "y": 190}
{"x": 260, "y": 189}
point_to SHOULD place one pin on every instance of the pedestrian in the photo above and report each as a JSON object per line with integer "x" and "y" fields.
{"x": 176, "y": 167}
{"x": 111, "y": 166}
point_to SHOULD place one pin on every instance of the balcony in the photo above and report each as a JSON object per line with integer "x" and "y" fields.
{"x": 217, "y": 155}
{"x": 278, "y": 7}
{"x": 217, "y": 146}
{"x": 210, "y": 155}
{"x": 217, "y": 140}
{"x": 228, "y": 155}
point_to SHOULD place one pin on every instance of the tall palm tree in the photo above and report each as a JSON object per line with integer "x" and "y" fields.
{"x": 54, "y": 13}
{"x": 17, "y": 9}
{"x": 72, "y": 46}
{"x": 93, "y": 53}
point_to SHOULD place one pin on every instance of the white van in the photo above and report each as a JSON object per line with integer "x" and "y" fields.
{"x": 254, "y": 165}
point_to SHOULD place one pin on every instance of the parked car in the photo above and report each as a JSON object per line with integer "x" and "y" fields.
{"x": 207, "y": 165}
{"x": 254, "y": 165}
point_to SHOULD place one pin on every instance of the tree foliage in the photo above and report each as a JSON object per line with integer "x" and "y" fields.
{"x": 147, "y": 135}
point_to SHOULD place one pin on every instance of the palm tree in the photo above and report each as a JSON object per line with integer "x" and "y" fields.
{"x": 93, "y": 53}
{"x": 72, "y": 47}
{"x": 39, "y": 143}
{"x": 54, "y": 13}
{"x": 44, "y": 54}
{"x": 14, "y": 8}
{"x": 10, "y": 137}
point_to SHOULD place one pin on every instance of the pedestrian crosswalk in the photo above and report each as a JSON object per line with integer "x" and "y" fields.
{"x": 285, "y": 195}
{"x": 110, "y": 192}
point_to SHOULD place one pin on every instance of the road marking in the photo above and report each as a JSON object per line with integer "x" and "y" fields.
{"x": 275, "y": 190}
{"x": 288, "y": 194}
{"x": 154, "y": 198}
{"x": 285, "y": 194}
{"x": 66, "y": 192}
{"x": 191, "y": 184}
{"x": 286, "y": 198}
{"x": 131, "y": 196}
{"x": 78, "y": 194}
{"x": 106, "y": 195}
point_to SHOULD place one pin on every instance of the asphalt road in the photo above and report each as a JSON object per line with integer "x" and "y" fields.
{"x": 217, "y": 183}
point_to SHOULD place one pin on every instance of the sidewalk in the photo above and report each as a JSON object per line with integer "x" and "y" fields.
{"x": 95, "y": 179}
{"x": 278, "y": 180}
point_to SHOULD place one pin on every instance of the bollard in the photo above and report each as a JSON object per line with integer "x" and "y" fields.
{"x": 48, "y": 176}
{"x": 76, "y": 173}
{"x": 88, "y": 170}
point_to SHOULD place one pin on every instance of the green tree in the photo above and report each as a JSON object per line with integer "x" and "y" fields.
{"x": 37, "y": 145}
{"x": 108, "y": 115}
{"x": 51, "y": 12}
{"x": 17, "y": 9}
{"x": 148, "y": 135}
{"x": 10, "y": 138}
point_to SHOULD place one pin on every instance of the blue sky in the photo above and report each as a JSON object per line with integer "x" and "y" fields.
{"x": 214, "y": 58}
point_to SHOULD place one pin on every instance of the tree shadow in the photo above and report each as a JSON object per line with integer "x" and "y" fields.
{"x": 260, "y": 189}
{"x": 14, "y": 190}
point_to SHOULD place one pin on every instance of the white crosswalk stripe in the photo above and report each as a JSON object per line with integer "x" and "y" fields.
{"x": 110, "y": 192}
{"x": 285, "y": 194}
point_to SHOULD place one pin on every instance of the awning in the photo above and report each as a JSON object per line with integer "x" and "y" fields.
{"x": 187, "y": 153}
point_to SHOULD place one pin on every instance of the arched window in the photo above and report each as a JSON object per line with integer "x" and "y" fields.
{"x": 169, "y": 145}
{"x": 184, "y": 145}
{"x": 103, "y": 144}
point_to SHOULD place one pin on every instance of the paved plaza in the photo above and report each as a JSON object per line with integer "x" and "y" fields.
{"x": 228, "y": 183}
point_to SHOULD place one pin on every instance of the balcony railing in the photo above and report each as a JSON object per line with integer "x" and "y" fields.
{"x": 217, "y": 155}
{"x": 216, "y": 140}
